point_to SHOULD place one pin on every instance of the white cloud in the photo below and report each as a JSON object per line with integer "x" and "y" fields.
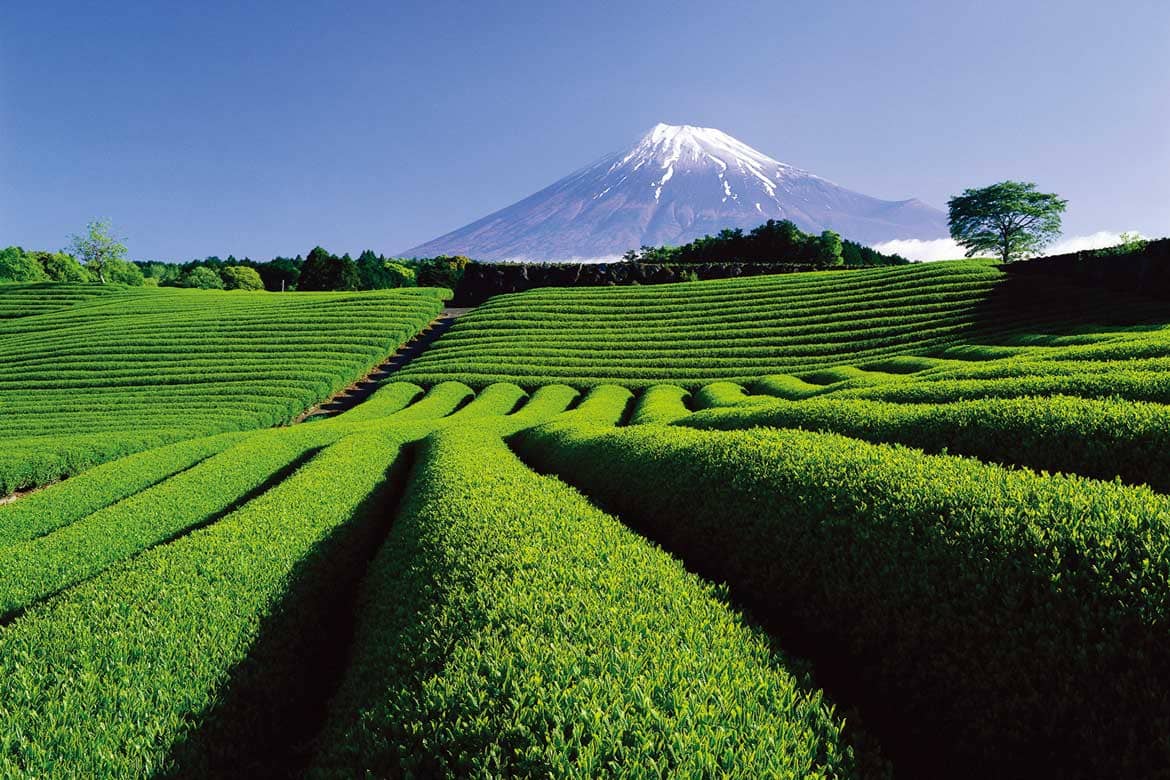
{"x": 947, "y": 249}
{"x": 917, "y": 249}
{"x": 1098, "y": 240}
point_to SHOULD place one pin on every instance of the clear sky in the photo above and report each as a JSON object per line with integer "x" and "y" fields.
{"x": 264, "y": 128}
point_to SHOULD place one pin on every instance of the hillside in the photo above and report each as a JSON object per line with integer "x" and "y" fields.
{"x": 924, "y": 524}
{"x": 953, "y": 318}
{"x": 92, "y": 372}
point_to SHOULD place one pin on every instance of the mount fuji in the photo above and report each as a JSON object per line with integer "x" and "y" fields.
{"x": 676, "y": 184}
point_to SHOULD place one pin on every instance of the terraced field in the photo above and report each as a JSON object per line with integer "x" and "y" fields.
{"x": 884, "y": 321}
{"x": 88, "y": 373}
{"x": 832, "y": 544}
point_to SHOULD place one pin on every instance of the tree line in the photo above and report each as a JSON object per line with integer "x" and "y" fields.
{"x": 99, "y": 256}
{"x": 319, "y": 270}
{"x": 772, "y": 242}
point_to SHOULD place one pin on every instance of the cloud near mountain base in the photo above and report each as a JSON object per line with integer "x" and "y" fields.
{"x": 947, "y": 249}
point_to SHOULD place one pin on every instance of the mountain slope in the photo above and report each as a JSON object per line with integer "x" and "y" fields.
{"x": 676, "y": 184}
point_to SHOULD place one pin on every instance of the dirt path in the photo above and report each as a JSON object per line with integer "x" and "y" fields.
{"x": 364, "y": 387}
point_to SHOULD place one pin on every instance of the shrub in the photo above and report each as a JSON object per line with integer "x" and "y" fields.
{"x": 241, "y": 277}
{"x": 203, "y": 278}
{"x": 60, "y": 267}
{"x": 16, "y": 265}
{"x": 123, "y": 272}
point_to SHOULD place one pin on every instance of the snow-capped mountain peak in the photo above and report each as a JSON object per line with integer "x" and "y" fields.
{"x": 675, "y": 184}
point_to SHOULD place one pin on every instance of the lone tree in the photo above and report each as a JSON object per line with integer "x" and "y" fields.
{"x": 1009, "y": 219}
{"x": 97, "y": 248}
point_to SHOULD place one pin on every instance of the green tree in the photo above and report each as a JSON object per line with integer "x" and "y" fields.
{"x": 324, "y": 271}
{"x": 400, "y": 275}
{"x": 241, "y": 277}
{"x": 203, "y": 278}
{"x": 16, "y": 265}
{"x": 281, "y": 273}
{"x": 372, "y": 271}
{"x": 97, "y": 248}
{"x": 164, "y": 274}
{"x": 61, "y": 267}
{"x": 828, "y": 247}
{"x": 442, "y": 271}
{"x": 1010, "y": 219}
{"x": 124, "y": 272}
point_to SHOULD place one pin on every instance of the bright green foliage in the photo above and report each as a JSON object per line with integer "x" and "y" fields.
{"x": 123, "y": 272}
{"x": 1009, "y": 219}
{"x": 1012, "y": 622}
{"x": 719, "y": 394}
{"x": 241, "y": 277}
{"x": 98, "y": 249}
{"x": 16, "y": 265}
{"x": 499, "y": 636}
{"x": 660, "y": 404}
{"x": 1103, "y": 439}
{"x": 399, "y": 275}
{"x": 203, "y": 636}
{"x": 61, "y": 504}
{"x": 104, "y": 680}
{"x": 60, "y": 267}
{"x": 39, "y": 567}
{"x": 87, "y": 379}
{"x": 740, "y": 330}
{"x": 202, "y": 278}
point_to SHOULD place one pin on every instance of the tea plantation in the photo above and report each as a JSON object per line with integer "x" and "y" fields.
{"x": 899, "y": 522}
{"x": 90, "y": 372}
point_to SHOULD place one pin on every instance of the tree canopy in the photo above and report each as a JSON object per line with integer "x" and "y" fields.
{"x": 325, "y": 271}
{"x": 97, "y": 248}
{"x": 775, "y": 241}
{"x": 241, "y": 277}
{"x": 1009, "y": 219}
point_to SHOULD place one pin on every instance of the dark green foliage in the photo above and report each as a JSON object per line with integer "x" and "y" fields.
{"x": 1007, "y": 623}
{"x": 281, "y": 273}
{"x": 323, "y": 271}
{"x": 773, "y": 241}
{"x": 1009, "y": 219}
{"x": 442, "y": 271}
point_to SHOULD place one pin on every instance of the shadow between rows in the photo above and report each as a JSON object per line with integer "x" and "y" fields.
{"x": 275, "y": 702}
{"x": 272, "y": 481}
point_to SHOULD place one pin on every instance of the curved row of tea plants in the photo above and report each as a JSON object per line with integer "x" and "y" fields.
{"x": 205, "y": 562}
{"x": 1002, "y": 621}
{"x": 1094, "y": 438}
{"x": 800, "y": 324}
{"x": 130, "y": 370}
{"x": 498, "y": 636}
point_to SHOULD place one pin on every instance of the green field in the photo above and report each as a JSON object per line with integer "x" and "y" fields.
{"x": 91, "y": 373}
{"x": 854, "y": 524}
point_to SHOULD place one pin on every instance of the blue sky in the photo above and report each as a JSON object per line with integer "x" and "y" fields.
{"x": 264, "y": 128}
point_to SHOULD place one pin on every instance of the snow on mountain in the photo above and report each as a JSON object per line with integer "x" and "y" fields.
{"x": 674, "y": 185}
